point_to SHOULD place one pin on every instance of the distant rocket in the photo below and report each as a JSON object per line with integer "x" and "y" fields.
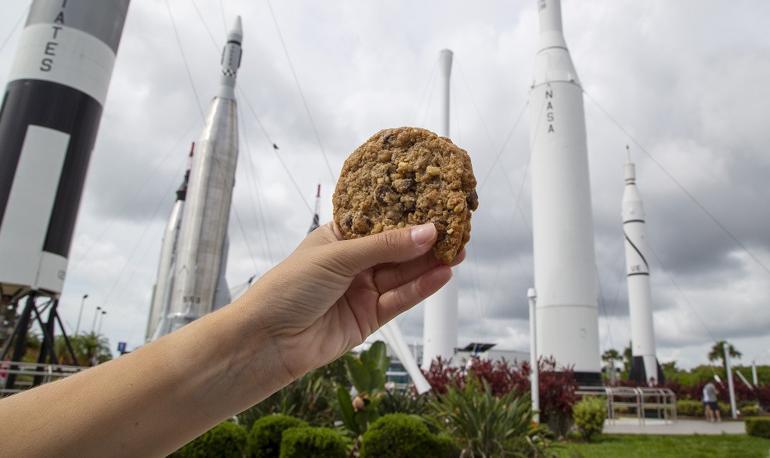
{"x": 644, "y": 364}
{"x": 161, "y": 291}
{"x": 440, "y": 323}
{"x": 197, "y": 283}
{"x": 316, "y": 217}
{"x": 565, "y": 264}
{"x": 48, "y": 125}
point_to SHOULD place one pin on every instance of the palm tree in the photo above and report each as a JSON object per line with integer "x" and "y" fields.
{"x": 90, "y": 349}
{"x": 717, "y": 353}
{"x": 628, "y": 357}
{"x": 611, "y": 356}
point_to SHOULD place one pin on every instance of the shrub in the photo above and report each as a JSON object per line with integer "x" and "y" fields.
{"x": 589, "y": 415}
{"x": 689, "y": 408}
{"x": 316, "y": 442}
{"x": 758, "y": 426}
{"x": 224, "y": 440}
{"x": 403, "y": 402}
{"x": 267, "y": 433}
{"x": 750, "y": 410}
{"x": 307, "y": 398}
{"x": 401, "y": 436}
{"x": 485, "y": 425}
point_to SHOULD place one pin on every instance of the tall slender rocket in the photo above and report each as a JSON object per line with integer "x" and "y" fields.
{"x": 440, "y": 323}
{"x": 199, "y": 272}
{"x": 644, "y": 364}
{"x": 48, "y": 125}
{"x": 161, "y": 290}
{"x": 565, "y": 263}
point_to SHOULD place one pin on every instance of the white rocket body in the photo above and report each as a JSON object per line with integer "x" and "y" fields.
{"x": 565, "y": 264}
{"x": 644, "y": 364}
{"x": 440, "y": 324}
{"x": 49, "y": 119}
{"x": 199, "y": 285}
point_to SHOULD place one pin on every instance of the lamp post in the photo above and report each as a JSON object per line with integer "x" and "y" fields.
{"x": 80, "y": 314}
{"x": 96, "y": 315}
{"x": 533, "y": 362}
{"x": 99, "y": 329}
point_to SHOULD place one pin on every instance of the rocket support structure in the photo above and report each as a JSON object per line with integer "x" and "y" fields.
{"x": 565, "y": 264}
{"x": 644, "y": 364}
{"x": 198, "y": 285}
{"x": 440, "y": 323}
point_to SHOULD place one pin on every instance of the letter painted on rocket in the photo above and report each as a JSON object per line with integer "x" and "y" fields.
{"x": 549, "y": 116}
{"x": 49, "y": 52}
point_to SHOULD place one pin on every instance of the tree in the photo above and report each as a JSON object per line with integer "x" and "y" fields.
{"x": 717, "y": 353}
{"x": 611, "y": 355}
{"x": 628, "y": 357}
{"x": 90, "y": 349}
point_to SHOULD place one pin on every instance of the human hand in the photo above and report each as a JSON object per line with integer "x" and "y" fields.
{"x": 330, "y": 294}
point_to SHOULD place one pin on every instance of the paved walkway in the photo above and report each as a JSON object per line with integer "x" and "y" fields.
{"x": 679, "y": 427}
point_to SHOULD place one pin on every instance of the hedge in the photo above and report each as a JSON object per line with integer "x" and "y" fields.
{"x": 313, "y": 442}
{"x": 226, "y": 440}
{"x": 758, "y": 426}
{"x": 267, "y": 433}
{"x": 400, "y": 436}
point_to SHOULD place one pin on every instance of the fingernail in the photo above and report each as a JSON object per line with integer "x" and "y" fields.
{"x": 423, "y": 233}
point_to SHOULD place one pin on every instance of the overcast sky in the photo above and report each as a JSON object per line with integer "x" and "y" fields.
{"x": 686, "y": 79}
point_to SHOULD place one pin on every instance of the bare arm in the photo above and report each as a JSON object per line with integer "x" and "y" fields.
{"x": 327, "y": 297}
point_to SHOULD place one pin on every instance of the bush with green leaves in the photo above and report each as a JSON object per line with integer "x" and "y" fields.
{"x": 750, "y": 410}
{"x": 309, "y": 398}
{"x": 313, "y": 442}
{"x": 267, "y": 433}
{"x": 689, "y": 408}
{"x": 403, "y": 401}
{"x": 367, "y": 375}
{"x": 485, "y": 425}
{"x": 401, "y": 436}
{"x": 589, "y": 415}
{"x": 758, "y": 426}
{"x": 226, "y": 440}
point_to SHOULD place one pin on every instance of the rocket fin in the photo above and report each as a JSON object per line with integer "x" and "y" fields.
{"x": 395, "y": 340}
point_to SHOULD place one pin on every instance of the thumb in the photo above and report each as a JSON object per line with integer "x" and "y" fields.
{"x": 397, "y": 245}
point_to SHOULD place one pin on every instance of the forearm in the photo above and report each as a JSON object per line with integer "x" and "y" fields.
{"x": 153, "y": 400}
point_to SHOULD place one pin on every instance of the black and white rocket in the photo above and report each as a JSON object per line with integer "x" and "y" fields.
{"x": 565, "y": 263}
{"x": 48, "y": 124}
{"x": 644, "y": 364}
{"x": 196, "y": 283}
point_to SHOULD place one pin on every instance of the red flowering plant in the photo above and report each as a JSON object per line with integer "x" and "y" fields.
{"x": 557, "y": 387}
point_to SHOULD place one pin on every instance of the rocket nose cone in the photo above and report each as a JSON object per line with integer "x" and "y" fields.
{"x": 236, "y": 32}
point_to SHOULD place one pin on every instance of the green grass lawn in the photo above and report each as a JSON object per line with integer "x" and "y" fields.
{"x": 669, "y": 446}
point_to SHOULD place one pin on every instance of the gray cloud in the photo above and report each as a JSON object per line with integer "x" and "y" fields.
{"x": 687, "y": 80}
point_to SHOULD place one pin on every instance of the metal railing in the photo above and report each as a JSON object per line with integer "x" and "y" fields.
{"x": 641, "y": 401}
{"x": 32, "y": 374}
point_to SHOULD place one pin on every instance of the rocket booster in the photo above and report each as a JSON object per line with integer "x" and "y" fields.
{"x": 199, "y": 271}
{"x": 440, "y": 322}
{"x": 644, "y": 364}
{"x": 162, "y": 289}
{"x": 48, "y": 124}
{"x": 564, "y": 258}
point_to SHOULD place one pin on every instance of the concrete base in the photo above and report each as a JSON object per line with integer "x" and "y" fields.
{"x": 668, "y": 428}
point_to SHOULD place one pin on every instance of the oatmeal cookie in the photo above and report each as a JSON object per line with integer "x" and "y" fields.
{"x": 404, "y": 177}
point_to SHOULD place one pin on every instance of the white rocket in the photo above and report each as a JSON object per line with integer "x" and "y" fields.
{"x": 440, "y": 323}
{"x": 644, "y": 364}
{"x": 197, "y": 284}
{"x": 565, "y": 263}
{"x": 48, "y": 124}
{"x": 161, "y": 291}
